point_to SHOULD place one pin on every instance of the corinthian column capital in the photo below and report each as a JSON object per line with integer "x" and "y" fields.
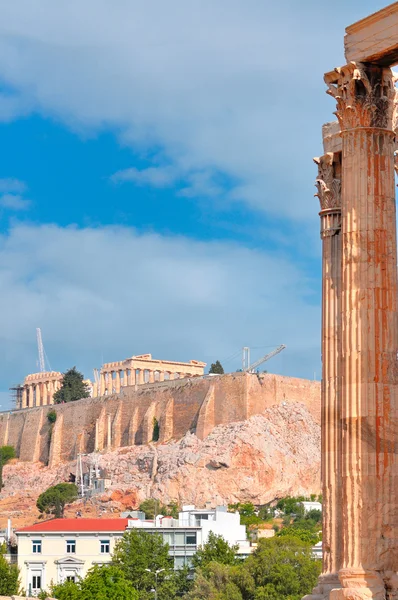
{"x": 328, "y": 184}
{"x": 364, "y": 95}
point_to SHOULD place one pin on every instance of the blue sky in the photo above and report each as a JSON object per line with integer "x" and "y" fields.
{"x": 156, "y": 179}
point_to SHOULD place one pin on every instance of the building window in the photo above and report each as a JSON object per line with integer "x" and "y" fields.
{"x": 179, "y": 562}
{"x": 105, "y": 546}
{"x": 70, "y": 578}
{"x": 70, "y": 546}
{"x": 191, "y": 538}
{"x": 36, "y": 582}
{"x": 36, "y": 546}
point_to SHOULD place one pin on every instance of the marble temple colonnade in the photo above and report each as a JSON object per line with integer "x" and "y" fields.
{"x": 39, "y": 388}
{"x": 142, "y": 369}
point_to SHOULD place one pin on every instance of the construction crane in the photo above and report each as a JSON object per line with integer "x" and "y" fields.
{"x": 42, "y": 364}
{"x": 263, "y": 359}
{"x": 43, "y": 358}
{"x": 96, "y": 377}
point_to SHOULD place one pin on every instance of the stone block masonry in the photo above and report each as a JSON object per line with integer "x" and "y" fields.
{"x": 124, "y": 419}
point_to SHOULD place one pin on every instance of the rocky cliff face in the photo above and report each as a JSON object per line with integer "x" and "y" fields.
{"x": 267, "y": 456}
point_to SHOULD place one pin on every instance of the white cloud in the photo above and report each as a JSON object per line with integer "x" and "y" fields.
{"x": 226, "y": 85}
{"x": 158, "y": 177}
{"x": 14, "y": 202}
{"x": 12, "y": 185}
{"x": 105, "y": 294}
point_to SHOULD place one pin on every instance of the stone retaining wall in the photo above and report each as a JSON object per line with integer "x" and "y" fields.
{"x": 127, "y": 418}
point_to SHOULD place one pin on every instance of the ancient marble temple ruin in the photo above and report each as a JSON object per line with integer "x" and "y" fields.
{"x": 356, "y": 190}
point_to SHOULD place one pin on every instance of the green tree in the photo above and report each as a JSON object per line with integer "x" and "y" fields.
{"x": 223, "y": 582}
{"x": 283, "y": 567}
{"x": 140, "y": 555}
{"x": 216, "y": 584}
{"x": 52, "y": 417}
{"x": 156, "y": 430}
{"x": 305, "y": 535}
{"x": 216, "y": 550}
{"x": 314, "y": 515}
{"x": 216, "y": 368}
{"x": 72, "y": 387}
{"x": 291, "y": 506}
{"x": 105, "y": 582}
{"x": 55, "y": 498}
{"x": 9, "y": 577}
{"x": 152, "y": 507}
{"x": 69, "y": 590}
{"x": 265, "y": 513}
{"x": 247, "y": 513}
{"x": 6, "y": 454}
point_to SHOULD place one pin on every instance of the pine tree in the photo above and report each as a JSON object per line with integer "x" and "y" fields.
{"x": 72, "y": 387}
{"x": 216, "y": 368}
{"x": 6, "y": 454}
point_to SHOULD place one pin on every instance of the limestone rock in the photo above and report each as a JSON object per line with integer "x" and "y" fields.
{"x": 265, "y": 457}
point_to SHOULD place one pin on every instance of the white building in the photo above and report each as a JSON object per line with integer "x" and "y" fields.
{"x": 192, "y": 528}
{"x": 60, "y": 549}
{"x": 311, "y": 506}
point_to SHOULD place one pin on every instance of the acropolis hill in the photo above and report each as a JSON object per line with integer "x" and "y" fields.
{"x": 126, "y": 418}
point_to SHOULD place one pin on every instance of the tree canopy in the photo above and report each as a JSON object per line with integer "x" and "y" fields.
{"x": 55, "y": 498}
{"x": 9, "y": 576}
{"x": 217, "y": 550}
{"x": 279, "y": 568}
{"x": 247, "y": 511}
{"x": 152, "y": 507}
{"x": 6, "y": 454}
{"x": 105, "y": 582}
{"x": 140, "y": 555}
{"x": 216, "y": 368}
{"x": 72, "y": 387}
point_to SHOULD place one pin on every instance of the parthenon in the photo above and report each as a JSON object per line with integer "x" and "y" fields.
{"x": 141, "y": 369}
{"x": 38, "y": 389}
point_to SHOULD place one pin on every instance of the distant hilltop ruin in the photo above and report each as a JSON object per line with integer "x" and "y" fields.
{"x": 127, "y": 417}
{"x": 38, "y": 389}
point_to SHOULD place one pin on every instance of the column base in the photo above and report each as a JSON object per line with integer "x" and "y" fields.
{"x": 326, "y": 584}
{"x": 359, "y": 584}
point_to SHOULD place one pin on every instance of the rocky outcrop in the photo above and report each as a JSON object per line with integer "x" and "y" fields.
{"x": 267, "y": 456}
{"x": 125, "y": 419}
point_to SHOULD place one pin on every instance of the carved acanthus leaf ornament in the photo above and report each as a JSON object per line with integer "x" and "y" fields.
{"x": 327, "y": 184}
{"x": 364, "y": 95}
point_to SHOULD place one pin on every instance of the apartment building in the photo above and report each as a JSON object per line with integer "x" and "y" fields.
{"x": 61, "y": 549}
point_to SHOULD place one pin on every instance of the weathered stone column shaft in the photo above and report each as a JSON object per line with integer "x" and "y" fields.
{"x": 330, "y": 391}
{"x": 370, "y": 337}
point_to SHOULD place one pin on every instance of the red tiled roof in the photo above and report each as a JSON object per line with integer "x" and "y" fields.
{"x": 77, "y": 525}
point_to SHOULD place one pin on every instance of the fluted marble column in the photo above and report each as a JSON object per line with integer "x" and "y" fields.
{"x": 141, "y": 376}
{"x": 328, "y": 184}
{"x": 161, "y": 375}
{"x": 109, "y": 382}
{"x": 102, "y": 384}
{"x": 151, "y": 376}
{"x": 132, "y": 378}
{"x": 50, "y": 392}
{"x": 117, "y": 381}
{"x": 38, "y": 394}
{"x": 31, "y": 395}
{"x": 45, "y": 394}
{"x": 365, "y": 96}
{"x": 24, "y": 397}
